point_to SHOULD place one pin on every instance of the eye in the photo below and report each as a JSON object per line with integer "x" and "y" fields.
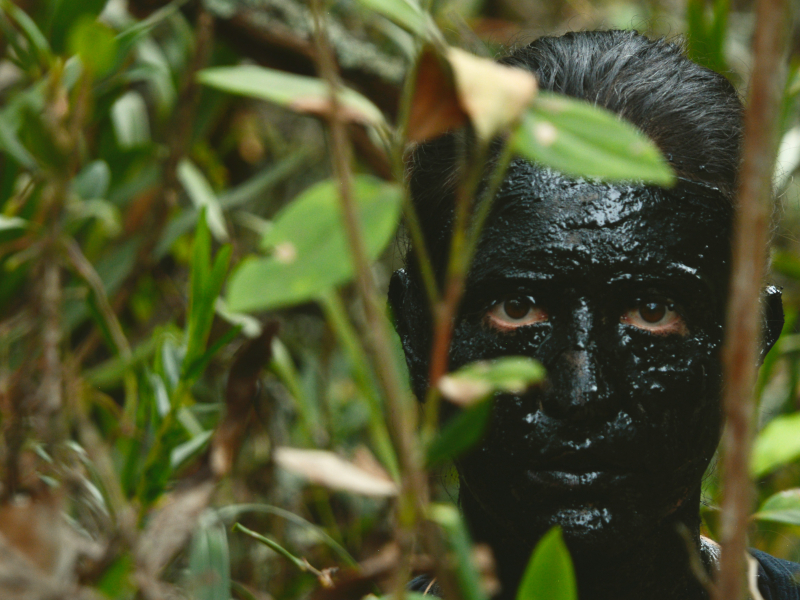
{"x": 513, "y": 313}
{"x": 656, "y": 316}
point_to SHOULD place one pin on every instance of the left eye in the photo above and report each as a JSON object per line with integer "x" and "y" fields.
{"x": 657, "y": 316}
{"x": 513, "y": 313}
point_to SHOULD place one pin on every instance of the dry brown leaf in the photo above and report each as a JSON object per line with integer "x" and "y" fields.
{"x": 464, "y": 87}
{"x": 435, "y": 108}
{"x": 171, "y": 527}
{"x": 364, "y": 459}
{"x": 240, "y": 394}
{"x": 463, "y": 391}
{"x": 331, "y": 471}
{"x": 493, "y": 95}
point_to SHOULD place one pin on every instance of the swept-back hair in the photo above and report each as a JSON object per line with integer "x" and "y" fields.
{"x": 693, "y": 114}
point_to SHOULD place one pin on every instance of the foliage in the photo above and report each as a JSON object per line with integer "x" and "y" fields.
{"x": 149, "y": 401}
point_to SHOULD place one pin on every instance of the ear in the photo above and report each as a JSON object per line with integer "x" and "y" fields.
{"x": 772, "y": 320}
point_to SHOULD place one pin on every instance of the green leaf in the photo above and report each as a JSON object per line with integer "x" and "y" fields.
{"x": 95, "y": 44}
{"x": 776, "y": 445}
{"x": 67, "y": 16}
{"x": 783, "y": 507}
{"x": 460, "y": 433}
{"x": 183, "y": 452}
{"x": 549, "y": 574}
{"x": 93, "y": 180}
{"x": 203, "y": 196}
{"x": 406, "y": 13}
{"x": 209, "y": 561}
{"x": 478, "y": 380}
{"x": 205, "y": 285}
{"x": 579, "y": 139}
{"x": 131, "y": 124}
{"x": 450, "y": 520}
{"x": 310, "y": 253}
{"x": 37, "y": 42}
{"x": 296, "y": 92}
{"x": 10, "y": 143}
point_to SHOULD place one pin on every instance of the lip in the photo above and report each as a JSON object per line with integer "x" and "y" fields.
{"x": 577, "y": 479}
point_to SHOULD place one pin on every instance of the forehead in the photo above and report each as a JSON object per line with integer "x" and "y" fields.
{"x": 543, "y": 223}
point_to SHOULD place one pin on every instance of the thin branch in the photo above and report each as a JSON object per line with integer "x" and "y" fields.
{"x": 743, "y": 316}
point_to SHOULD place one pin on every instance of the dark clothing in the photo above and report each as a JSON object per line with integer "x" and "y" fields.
{"x": 777, "y": 579}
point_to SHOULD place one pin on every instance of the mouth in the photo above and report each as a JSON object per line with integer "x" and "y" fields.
{"x": 577, "y": 479}
{"x": 578, "y": 472}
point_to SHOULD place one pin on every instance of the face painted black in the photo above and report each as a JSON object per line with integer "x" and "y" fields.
{"x": 620, "y": 292}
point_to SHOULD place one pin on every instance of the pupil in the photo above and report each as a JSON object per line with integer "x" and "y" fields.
{"x": 652, "y": 312}
{"x": 517, "y": 308}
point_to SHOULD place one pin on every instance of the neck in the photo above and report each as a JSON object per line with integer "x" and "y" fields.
{"x": 656, "y": 567}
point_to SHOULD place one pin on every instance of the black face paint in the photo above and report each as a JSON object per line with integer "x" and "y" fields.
{"x": 619, "y": 437}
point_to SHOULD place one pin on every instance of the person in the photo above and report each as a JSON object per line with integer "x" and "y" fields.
{"x": 620, "y": 291}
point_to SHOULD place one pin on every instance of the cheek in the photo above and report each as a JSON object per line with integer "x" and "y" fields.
{"x": 674, "y": 387}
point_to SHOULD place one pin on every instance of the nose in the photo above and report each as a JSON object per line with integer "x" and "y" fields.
{"x": 578, "y": 388}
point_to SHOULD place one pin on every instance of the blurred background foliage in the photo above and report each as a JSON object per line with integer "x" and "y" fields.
{"x": 127, "y": 190}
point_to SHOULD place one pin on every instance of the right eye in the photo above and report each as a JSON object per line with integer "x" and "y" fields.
{"x": 513, "y": 313}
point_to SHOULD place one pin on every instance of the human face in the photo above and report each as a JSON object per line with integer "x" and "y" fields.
{"x": 619, "y": 291}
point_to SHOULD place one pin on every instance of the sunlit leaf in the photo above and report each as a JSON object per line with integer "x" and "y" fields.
{"x": 203, "y": 196}
{"x": 783, "y": 507}
{"x": 95, "y": 44}
{"x": 406, "y": 13}
{"x": 296, "y": 92}
{"x": 461, "y": 433}
{"x": 329, "y": 470}
{"x": 130, "y": 120}
{"x": 579, "y": 139}
{"x": 549, "y": 574}
{"x": 512, "y": 374}
{"x": 67, "y": 16}
{"x": 310, "y": 253}
{"x": 449, "y": 90}
{"x": 776, "y": 445}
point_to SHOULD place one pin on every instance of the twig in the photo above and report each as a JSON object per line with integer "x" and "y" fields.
{"x": 743, "y": 316}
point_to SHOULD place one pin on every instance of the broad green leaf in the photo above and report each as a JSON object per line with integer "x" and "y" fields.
{"x": 783, "y": 507}
{"x": 95, "y": 44}
{"x": 310, "y": 253}
{"x": 406, "y": 13}
{"x": 92, "y": 181}
{"x": 579, "y": 139}
{"x": 776, "y": 445}
{"x": 203, "y": 196}
{"x": 472, "y": 382}
{"x": 67, "y": 15}
{"x": 131, "y": 124}
{"x": 460, "y": 433}
{"x": 549, "y": 574}
{"x": 209, "y": 561}
{"x": 450, "y": 520}
{"x": 705, "y": 38}
{"x": 296, "y": 92}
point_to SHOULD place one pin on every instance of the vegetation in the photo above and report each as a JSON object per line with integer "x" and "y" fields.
{"x": 201, "y": 394}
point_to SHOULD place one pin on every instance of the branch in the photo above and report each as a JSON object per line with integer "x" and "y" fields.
{"x": 743, "y": 316}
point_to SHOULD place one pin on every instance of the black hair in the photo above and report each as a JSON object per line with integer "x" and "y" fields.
{"x": 693, "y": 114}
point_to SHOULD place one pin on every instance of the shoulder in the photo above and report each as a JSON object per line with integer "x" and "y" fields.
{"x": 427, "y": 586}
{"x": 777, "y": 579}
